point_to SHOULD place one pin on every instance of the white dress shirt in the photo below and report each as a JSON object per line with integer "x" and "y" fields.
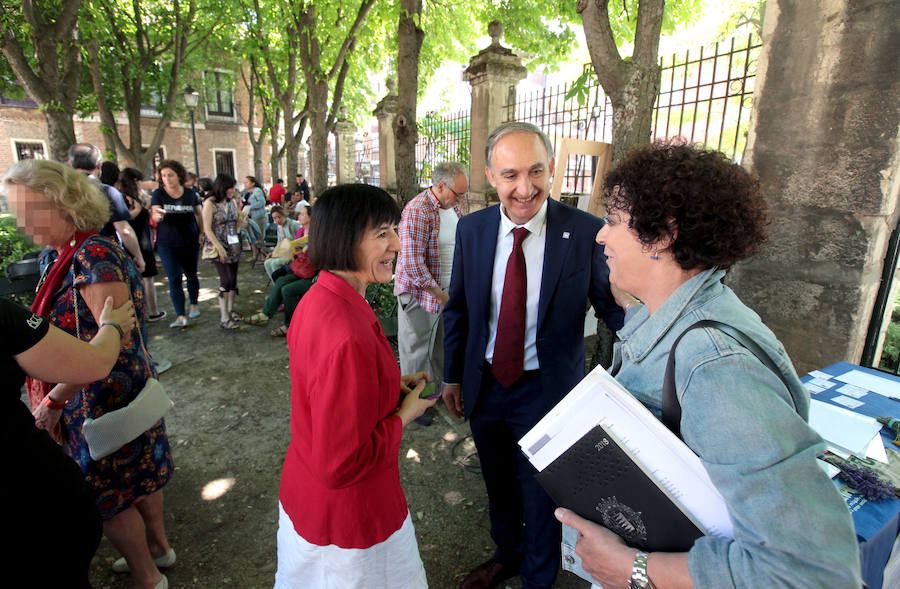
{"x": 533, "y": 248}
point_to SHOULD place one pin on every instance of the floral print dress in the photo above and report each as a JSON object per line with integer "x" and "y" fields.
{"x": 144, "y": 465}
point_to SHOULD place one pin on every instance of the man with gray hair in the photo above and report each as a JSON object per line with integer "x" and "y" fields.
{"x": 86, "y": 158}
{"x": 514, "y": 342}
{"x": 428, "y": 237}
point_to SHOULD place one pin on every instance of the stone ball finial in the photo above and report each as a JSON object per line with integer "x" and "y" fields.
{"x": 495, "y": 30}
{"x": 391, "y": 85}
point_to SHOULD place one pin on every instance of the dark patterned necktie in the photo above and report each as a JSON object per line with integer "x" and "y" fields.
{"x": 509, "y": 346}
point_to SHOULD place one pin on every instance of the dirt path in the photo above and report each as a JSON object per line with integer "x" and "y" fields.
{"x": 229, "y": 430}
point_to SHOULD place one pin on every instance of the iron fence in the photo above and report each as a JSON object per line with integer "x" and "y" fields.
{"x": 366, "y": 164}
{"x": 705, "y": 98}
{"x": 441, "y": 138}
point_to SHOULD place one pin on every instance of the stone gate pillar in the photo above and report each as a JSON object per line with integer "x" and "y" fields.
{"x": 824, "y": 142}
{"x": 345, "y": 150}
{"x": 493, "y": 75}
{"x": 385, "y": 112}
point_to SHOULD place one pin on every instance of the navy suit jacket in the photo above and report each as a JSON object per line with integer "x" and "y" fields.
{"x": 574, "y": 272}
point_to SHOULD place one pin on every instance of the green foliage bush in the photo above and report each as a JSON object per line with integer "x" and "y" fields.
{"x": 13, "y": 245}
{"x": 891, "y": 349}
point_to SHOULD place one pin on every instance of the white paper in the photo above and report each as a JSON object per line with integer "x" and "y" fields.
{"x": 847, "y": 401}
{"x": 853, "y": 391}
{"x": 830, "y": 469}
{"x": 841, "y": 427}
{"x": 814, "y": 389}
{"x": 600, "y": 400}
{"x": 876, "y": 450}
{"x": 819, "y": 374}
{"x": 871, "y": 382}
{"x": 821, "y": 382}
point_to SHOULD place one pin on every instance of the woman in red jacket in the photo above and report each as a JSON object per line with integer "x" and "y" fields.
{"x": 344, "y": 522}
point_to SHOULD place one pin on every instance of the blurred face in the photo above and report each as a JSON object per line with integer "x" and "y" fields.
{"x": 229, "y": 194}
{"x": 169, "y": 178}
{"x": 375, "y": 254}
{"x": 520, "y": 170}
{"x": 45, "y": 223}
{"x": 449, "y": 195}
{"x": 247, "y": 184}
{"x": 278, "y": 218}
{"x": 303, "y": 216}
{"x": 628, "y": 259}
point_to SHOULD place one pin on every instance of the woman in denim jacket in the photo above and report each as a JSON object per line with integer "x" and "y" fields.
{"x": 678, "y": 218}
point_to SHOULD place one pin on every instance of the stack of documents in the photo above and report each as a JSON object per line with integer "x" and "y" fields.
{"x": 601, "y": 453}
{"x": 845, "y": 431}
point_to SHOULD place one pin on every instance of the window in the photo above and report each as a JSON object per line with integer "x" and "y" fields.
{"x": 29, "y": 150}
{"x": 224, "y": 162}
{"x": 219, "y": 94}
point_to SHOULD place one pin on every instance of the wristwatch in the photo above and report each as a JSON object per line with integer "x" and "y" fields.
{"x": 639, "y": 578}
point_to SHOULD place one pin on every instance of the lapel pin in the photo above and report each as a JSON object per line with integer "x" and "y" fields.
{"x": 565, "y": 235}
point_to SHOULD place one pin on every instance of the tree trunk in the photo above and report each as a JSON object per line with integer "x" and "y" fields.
{"x": 632, "y": 86}
{"x": 409, "y": 42}
{"x": 318, "y": 138}
{"x": 60, "y": 133}
{"x": 49, "y": 68}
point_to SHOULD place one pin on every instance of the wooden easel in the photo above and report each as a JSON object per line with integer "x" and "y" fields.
{"x": 571, "y": 146}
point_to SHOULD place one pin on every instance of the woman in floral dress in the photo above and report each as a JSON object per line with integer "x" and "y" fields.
{"x": 61, "y": 208}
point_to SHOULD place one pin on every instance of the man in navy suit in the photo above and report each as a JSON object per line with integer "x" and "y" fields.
{"x": 564, "y": 268}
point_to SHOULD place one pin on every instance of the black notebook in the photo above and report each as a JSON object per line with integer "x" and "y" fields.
{"x": 598, "y": 480}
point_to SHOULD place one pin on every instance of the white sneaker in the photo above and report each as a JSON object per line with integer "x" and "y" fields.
{"x": 163, "y": 562}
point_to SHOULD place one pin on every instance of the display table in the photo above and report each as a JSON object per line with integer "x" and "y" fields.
{"x": 877, "y": 523}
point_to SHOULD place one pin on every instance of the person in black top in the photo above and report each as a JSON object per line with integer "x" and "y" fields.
{"x": 85, "y": 158}
{"x": 176, "y": 210}
{"x": 50, "y": 509}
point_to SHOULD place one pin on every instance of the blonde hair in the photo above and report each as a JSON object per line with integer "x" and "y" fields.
{"x": 69, "y": 190}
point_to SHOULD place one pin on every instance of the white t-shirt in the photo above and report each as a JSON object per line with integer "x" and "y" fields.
{"x": 446, "y": 244}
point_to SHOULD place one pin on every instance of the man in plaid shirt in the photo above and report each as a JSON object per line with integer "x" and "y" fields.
{"x": 427, "y": 237}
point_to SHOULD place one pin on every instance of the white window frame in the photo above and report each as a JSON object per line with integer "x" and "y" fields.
{"x": 15, "y": 151}
{"x": 215, "y": 116}
{"x": 233, "y": 152}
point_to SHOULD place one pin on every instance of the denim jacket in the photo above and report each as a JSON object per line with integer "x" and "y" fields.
{"x": 791, "y": 527}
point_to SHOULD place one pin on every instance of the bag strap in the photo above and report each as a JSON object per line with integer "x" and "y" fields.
{"x": 671, "y": 408}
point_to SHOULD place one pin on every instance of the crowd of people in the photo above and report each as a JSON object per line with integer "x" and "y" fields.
{"x": 491, "y": 310}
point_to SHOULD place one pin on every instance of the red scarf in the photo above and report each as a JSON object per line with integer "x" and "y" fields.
{"x": 43, "y": 301}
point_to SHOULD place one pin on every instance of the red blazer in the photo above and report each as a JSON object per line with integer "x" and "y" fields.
{"x": 341, "y": 479}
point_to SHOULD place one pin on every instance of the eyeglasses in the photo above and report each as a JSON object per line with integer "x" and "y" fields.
{"x": 458, "y": 195}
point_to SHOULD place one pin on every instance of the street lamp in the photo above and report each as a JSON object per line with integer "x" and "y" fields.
{"x": 191, "y": 100}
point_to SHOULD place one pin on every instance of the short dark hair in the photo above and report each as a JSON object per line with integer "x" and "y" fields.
{"x": 84, "y": 156}
{"x": 276, "y": 209}
{"x": 176, "y": 167}
{"x": 343, "y": 214}
{"x": 205, "y": 184}
{"x": 278, "y": 181}
{"x": 109, "y": 173}
{"x": 221, "y": 185}
{"x": 713, "y": 206}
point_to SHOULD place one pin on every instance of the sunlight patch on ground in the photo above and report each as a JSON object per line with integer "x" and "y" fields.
{"x": 413, "y": 455}
{"x": 207, "y": 294}
{"x": 451, "y": 436}
{"x": 215, "y": 489}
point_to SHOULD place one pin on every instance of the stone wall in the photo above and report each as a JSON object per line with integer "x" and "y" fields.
{"x": 824, "y": 143}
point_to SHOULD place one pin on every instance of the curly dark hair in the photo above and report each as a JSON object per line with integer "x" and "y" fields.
{"x": 176, "y": 167}
{"x": 713, "y": 206}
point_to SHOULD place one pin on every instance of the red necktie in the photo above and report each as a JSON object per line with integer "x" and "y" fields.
{"x": 509, "y": 346}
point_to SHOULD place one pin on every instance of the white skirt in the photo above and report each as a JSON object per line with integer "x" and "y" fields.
{"x": 392, "y": 564}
